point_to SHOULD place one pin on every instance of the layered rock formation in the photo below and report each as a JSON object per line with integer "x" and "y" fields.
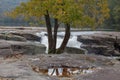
{"x": 21, "y": 43}
{"x": 100, "y": 43}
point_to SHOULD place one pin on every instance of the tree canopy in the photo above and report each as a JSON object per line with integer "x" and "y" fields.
{"x": 76, "y": 12}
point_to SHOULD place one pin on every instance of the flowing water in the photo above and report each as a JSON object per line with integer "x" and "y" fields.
{"x": 71, "y": 43}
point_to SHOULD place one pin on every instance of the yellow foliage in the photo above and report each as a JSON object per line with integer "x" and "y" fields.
{"x": 75, "y": 12}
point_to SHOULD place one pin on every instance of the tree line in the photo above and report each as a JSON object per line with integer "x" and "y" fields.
{"x": 111, "y": 23}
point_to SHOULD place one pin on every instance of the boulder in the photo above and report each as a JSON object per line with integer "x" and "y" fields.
{"x": 96, "y": 39}
{"x": 11, "y": 37}
{"x": 27, "y": 47}
{"x": 12, "y": 47}
{"x": 28, "y": 36}
{"x": 102, "y": 44}
{"x": 99, "y": 50}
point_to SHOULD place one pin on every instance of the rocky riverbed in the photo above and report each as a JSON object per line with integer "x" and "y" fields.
{"x": 22, "y": 57}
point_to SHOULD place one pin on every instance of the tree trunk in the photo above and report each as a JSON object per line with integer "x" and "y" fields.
{"x": 52, "y": 40}
{"x": 55, "y": 35}
{"x": 66, "y": 39}
{"x": 49, "y": 31}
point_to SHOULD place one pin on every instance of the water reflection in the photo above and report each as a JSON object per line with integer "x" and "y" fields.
{"x": 67, "y": 71}
{"x": 64, "y": 71}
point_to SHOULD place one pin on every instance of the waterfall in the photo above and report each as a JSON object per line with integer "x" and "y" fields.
{"x": 71, "y": 43}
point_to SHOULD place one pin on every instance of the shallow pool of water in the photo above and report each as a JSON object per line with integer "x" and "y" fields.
{"x": 64, "y": 71}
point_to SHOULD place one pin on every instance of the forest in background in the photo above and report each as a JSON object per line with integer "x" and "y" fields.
{"x": 7, "y": 5}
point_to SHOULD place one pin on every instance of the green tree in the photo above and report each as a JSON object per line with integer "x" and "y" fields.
{"x": 116, "y": 16}
{"x": 113, "y": 21}
{"x": 68, "y": 12}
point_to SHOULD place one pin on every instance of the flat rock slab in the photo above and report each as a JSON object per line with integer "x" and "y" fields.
{"x": 27, "y": 47}
{"x": 20, "y": 69}
{"x": 105, "y": 74}
{"x": 70, "y": 59}
{"x": 5, "y": 48}
{"x": 79, "y": 61}
{"x": 12, "y": 47}
{"x": 4, "y": 45}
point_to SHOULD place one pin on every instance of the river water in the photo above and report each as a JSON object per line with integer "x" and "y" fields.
{"x": 60, "y": 35}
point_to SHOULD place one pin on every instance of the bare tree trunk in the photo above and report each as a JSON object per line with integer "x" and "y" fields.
{"x": 55, "y": 35}
{"x": 52, "y": 39}
{"x": 49, "y": 31}
{"x": 66, "y": 39}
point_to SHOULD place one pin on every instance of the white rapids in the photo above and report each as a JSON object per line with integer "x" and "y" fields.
{"x": 71, "y": 43}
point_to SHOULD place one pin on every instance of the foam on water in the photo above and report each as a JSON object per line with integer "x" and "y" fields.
{"x": 71, "y": 43}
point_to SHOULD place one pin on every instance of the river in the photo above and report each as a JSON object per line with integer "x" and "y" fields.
{"x": 60, "y": 35}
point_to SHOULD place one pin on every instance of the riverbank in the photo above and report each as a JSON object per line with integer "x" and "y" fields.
{"x": 59, "y": 29}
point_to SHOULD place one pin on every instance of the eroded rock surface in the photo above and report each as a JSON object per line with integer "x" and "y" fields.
{"x": 5, "y": 36}
{"x": 23, "y": 68}
{"x": 12, "y": 47}
{"x": 28, "y": 36}
{"x": 5, "y": 48}
{"x": 73, "y": 50}
{"x": 101, "y": 43}
{"x": 15, "y": 40}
